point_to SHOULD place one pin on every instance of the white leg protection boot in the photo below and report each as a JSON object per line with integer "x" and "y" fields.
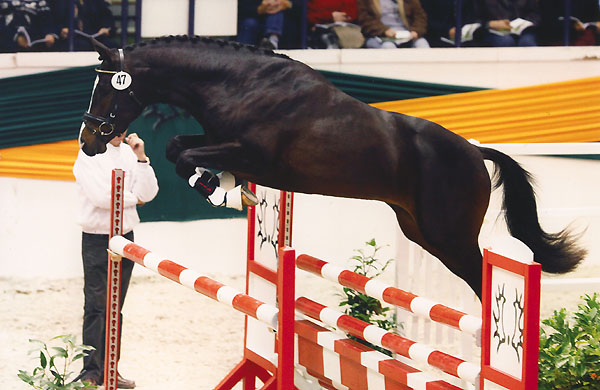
{"x": 226, "y": 180}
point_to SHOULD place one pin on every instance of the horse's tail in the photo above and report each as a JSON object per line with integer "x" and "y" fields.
{"x": 557, "y": 253}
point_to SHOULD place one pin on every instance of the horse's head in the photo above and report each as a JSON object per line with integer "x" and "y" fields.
{"x": 113, "y": 104}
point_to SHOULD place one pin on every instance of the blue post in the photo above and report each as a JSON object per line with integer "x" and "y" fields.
{"x": 124, "y": 21}
{"x": 458, "y": 28}
{"x": 303, "y": 25}
{"x": 191, "y": 17}
{"x": 71, "y": 35}
{"x": 567, "y": 23}
{"x": 138, "y": 21}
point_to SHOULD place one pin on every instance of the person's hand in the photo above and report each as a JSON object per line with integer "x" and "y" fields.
{"x": 339, "y": 16}
{"x": 64, "y": 32}
{"x": 22, "y": 41}
{"x": 50, "y": 39}
{"x": 137, "y": 145}
{"x": 390, "y": 33}
{"x": 104, "y": 31}
{"x": 414, "y": 35}
{"x": 452, "y": 33}
{"x": 500, "y": 25}
{"x": 271, "y": 6}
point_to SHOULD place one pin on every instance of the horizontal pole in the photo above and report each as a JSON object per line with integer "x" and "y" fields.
{"x": 197, "y": 282}
{"x": 310, "y": 334}
{"x": 416, "y": 351}
{"x": 394, "y": 296}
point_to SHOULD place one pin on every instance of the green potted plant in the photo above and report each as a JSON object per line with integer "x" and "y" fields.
{"x": 362, "y": 306}
{"x": 570, "y": 348}
{"x": 53, "y": 371}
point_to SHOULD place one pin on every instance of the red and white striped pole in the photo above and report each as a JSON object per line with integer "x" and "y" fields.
{"x": 348, "y": 363}
{"x": 113, "y": 285}
{"x": 395, "y": 343}
{"x": 417, "y": 305}
{"x": 197, "y": 282}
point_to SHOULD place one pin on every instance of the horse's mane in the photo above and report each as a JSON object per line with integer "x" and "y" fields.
{"x": 185, "y": 41}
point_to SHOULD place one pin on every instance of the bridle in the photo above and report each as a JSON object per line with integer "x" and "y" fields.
{"x": 105, "y": 125}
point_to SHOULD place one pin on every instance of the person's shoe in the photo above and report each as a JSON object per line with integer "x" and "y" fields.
{"x": 123, "y": 383}
{"x": 90, "y": 382}
{"x": 266, "y": 44}
{"x": 248, "y": 197}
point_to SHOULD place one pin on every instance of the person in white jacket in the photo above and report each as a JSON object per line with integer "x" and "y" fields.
{"x": 93, "y": 176}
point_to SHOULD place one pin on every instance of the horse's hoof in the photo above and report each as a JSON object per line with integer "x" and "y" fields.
{"x": 248, "y": 197}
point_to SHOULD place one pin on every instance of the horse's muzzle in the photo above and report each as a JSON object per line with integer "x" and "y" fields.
{"x": 89, "y": 142}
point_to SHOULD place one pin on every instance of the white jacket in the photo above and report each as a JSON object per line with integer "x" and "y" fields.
{"x": 93, "y": 176}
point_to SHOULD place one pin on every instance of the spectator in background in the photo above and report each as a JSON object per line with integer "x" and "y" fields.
{"x": 26, "y": 25}
{"x": 389, "y": 24}
{"x": 260, "y": 22}
{"x": 441, "y": 23}
{"x": 584, "y": 24}
{"x": 332, "y": 20}
{"x": 92, "y": 17}
{"x": 510, "y": 23}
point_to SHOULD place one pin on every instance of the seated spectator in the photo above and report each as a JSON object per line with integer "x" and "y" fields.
{"x": 332, "y": 24}
{"x": 26, "y": 25}
{"x": 584, "y": 24}
{"x": 441, "y": 23}
{"x": 92, "y": 17}
{"x": 510, "y": 23}
{"x": 390, "y": 24}
{"x": 260, "y": 22}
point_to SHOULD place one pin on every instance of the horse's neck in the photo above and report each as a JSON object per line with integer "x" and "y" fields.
{"x": 193, "y": 86}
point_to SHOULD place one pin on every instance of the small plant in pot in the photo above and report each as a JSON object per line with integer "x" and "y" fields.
{"x": 364, "y": 307}
{"x": 55, "y": 360}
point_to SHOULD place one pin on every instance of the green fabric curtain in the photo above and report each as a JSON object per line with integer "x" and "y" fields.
{"x": 44, "y": 107}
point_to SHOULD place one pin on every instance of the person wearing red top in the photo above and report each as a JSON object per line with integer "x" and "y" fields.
{"x": 321, "y": 14}
{"x": 330, "y": 11}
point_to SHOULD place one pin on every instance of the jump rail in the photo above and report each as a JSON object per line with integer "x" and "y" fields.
{"x": 197, "y": 282}
{"x": 419, "y": 306}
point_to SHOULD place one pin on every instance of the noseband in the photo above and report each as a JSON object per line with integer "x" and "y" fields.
{"x": 106, "y": 125}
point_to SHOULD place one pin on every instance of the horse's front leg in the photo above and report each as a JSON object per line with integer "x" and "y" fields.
{"x": 179, "y": 143}
{"x": 219, "y": 189}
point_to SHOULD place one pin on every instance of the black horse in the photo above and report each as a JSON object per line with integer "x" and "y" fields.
{"x": 277, "y": 122}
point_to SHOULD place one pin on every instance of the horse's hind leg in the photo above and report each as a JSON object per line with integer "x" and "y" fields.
{"x": 454, "y": 195}
{"x": 451, "y": 196}
{"x": 454, "y": 258}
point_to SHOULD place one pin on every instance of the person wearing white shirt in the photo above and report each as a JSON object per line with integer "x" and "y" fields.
{"x": 93, "y": 177}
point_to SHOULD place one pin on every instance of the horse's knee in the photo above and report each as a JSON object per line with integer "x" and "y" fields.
{"x": 174, "y": 148}
{"x": 184, "y": 166}
{"x": 179, "y": 143}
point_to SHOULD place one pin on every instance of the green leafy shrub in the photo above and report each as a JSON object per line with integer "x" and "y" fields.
{"x": 570, "y": 348}
{"x": 53, "y": 372}
{"x": 363, "y": 307}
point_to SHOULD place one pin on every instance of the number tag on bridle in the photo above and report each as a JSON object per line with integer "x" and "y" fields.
{"x": 121, "y": 80}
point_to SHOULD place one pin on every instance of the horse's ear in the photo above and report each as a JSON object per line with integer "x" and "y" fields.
{"x": 106, "y": 54}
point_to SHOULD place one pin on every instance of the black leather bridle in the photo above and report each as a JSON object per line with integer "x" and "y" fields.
{"x": 105, "y": 125}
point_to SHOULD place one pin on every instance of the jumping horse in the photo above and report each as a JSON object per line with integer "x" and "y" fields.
{"x": 279, "y": 123}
